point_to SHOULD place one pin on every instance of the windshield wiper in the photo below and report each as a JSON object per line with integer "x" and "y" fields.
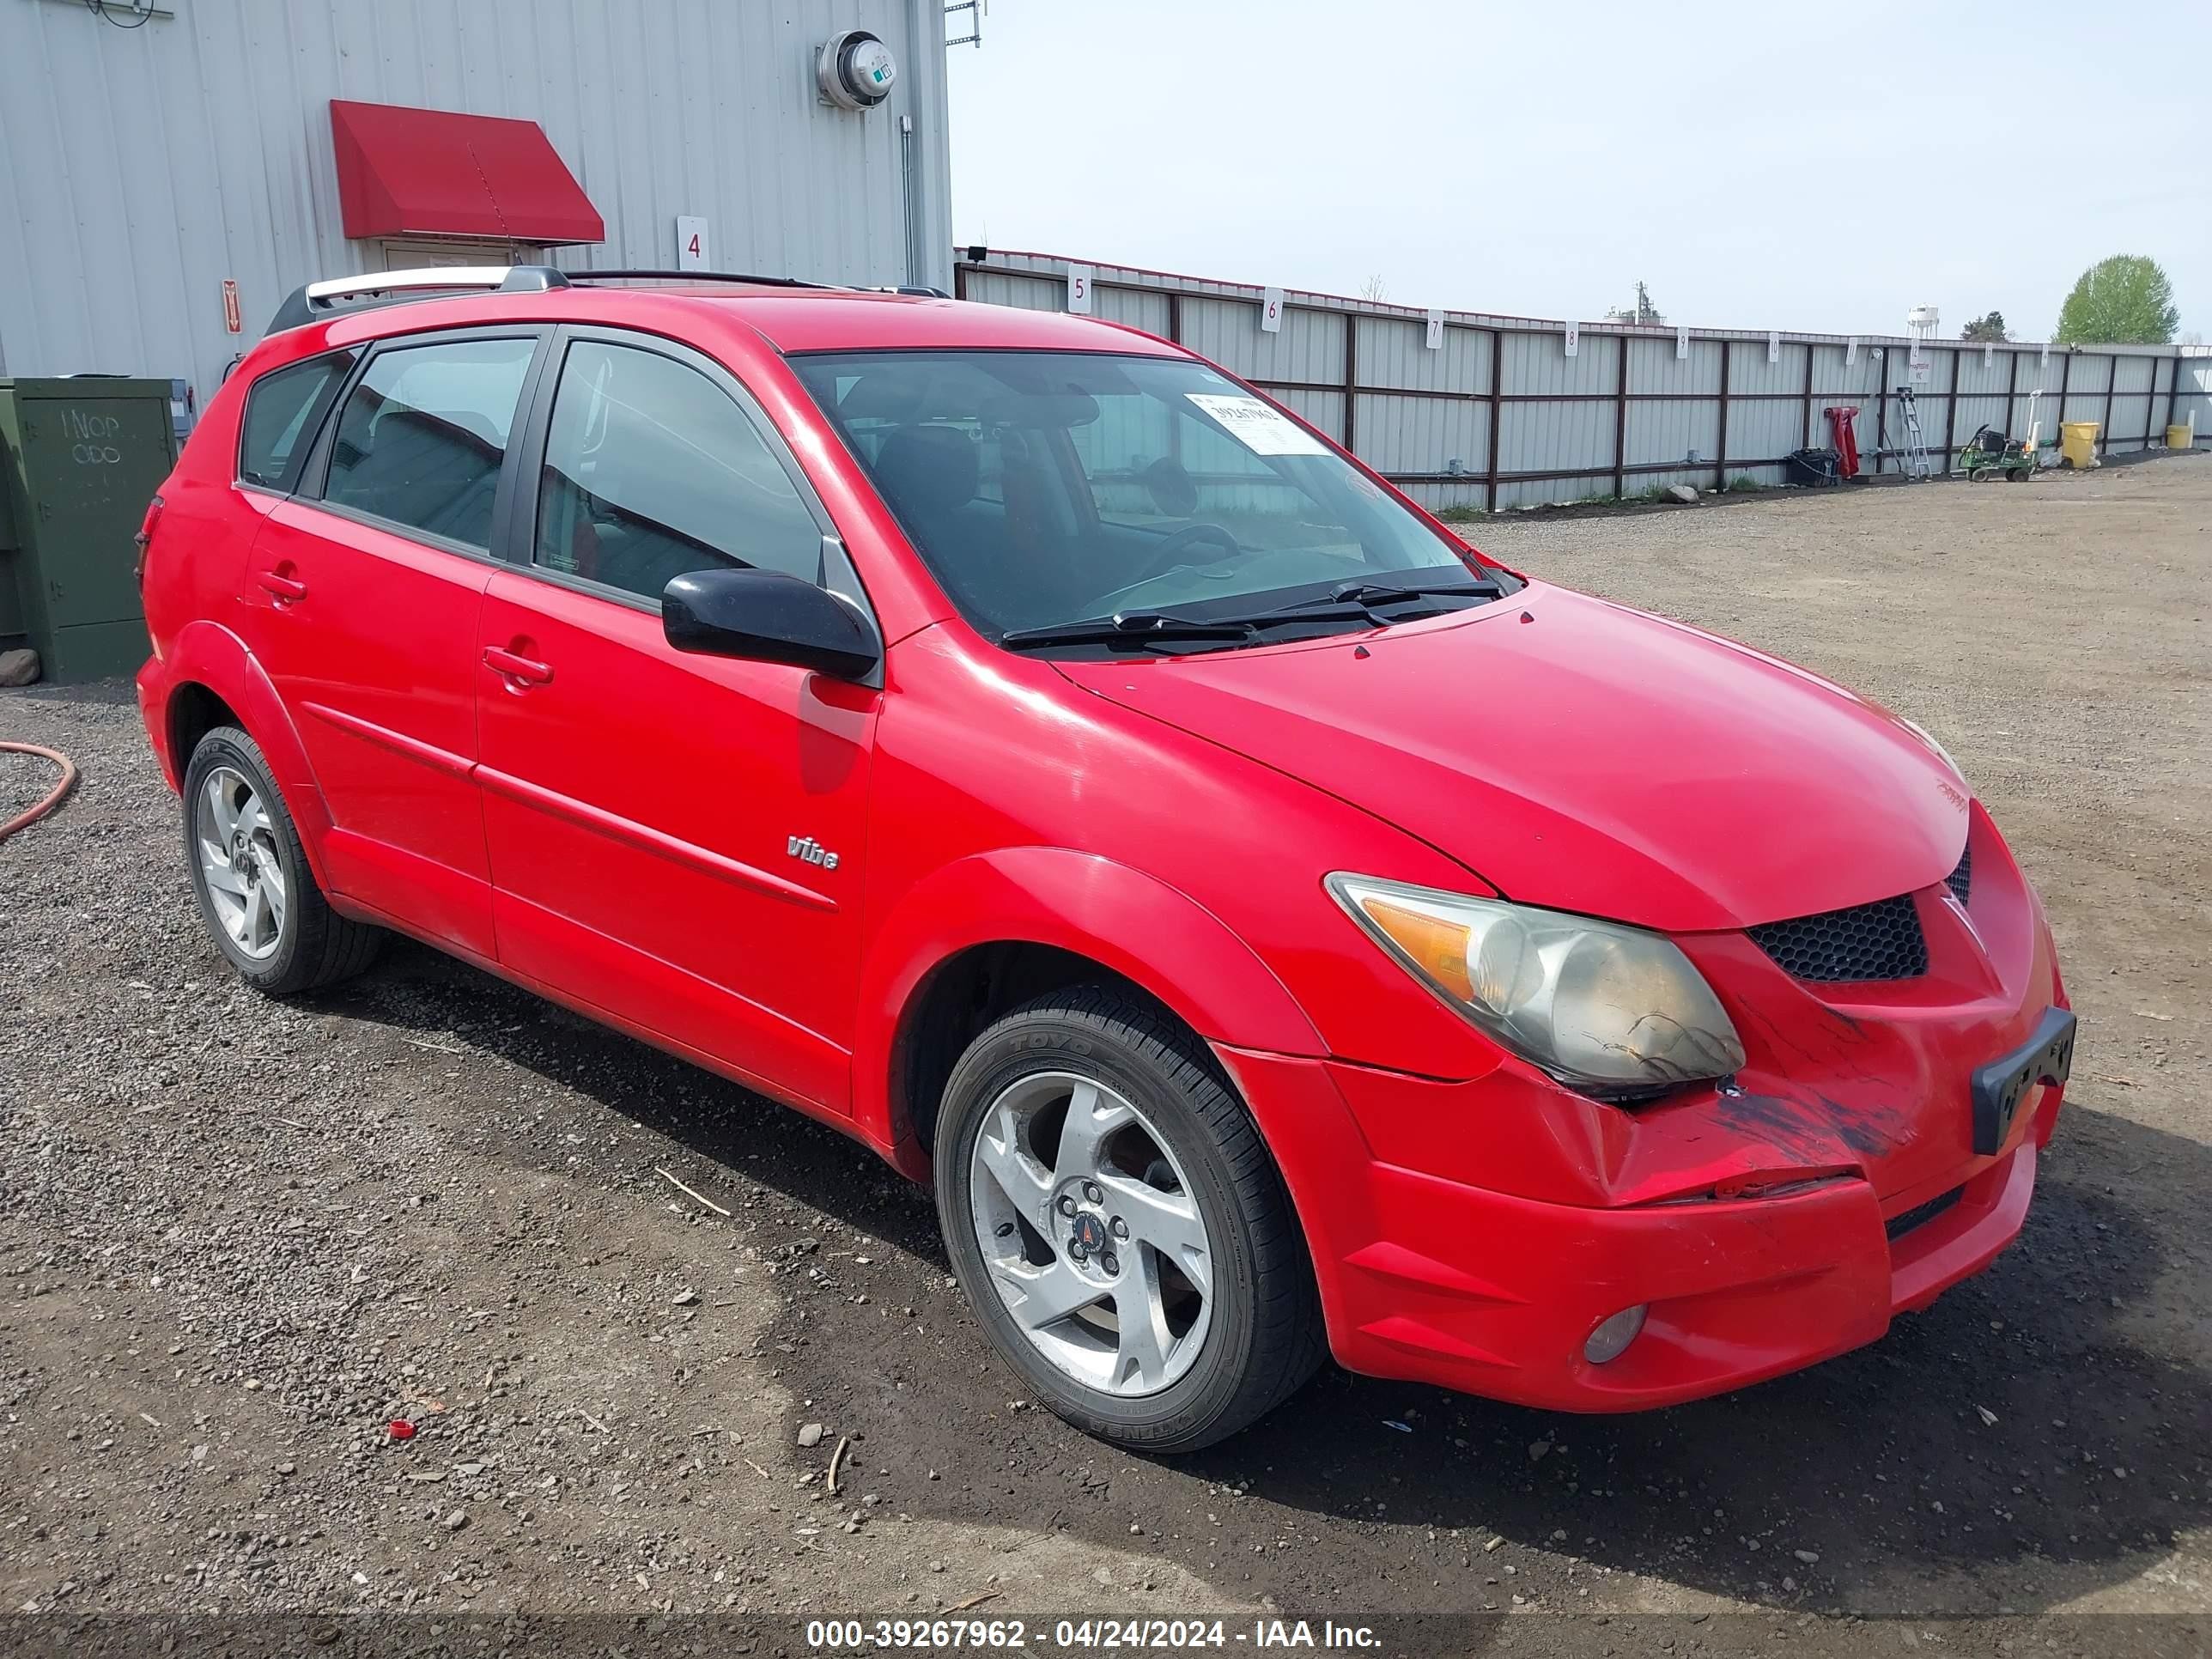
{"x": 1127, "y": 628}
{"x": 1355, "y": 601}
{"x": 1393, "y": 593}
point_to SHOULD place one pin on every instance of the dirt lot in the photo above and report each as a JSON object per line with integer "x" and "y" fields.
{"x": 238, "y": 1238}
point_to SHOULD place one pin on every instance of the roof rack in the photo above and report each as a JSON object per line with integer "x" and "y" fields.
{"x": 764, "y": 282}
{"x": 387, "y": 288}
{"x": 392, "y": 288}
{"x": 698, "y": 276}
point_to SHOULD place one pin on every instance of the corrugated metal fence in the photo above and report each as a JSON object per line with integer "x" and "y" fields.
{"x": 1498, "y": 414}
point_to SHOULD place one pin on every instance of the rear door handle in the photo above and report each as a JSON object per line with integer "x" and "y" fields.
{"x": 284, "y": 587}
{"x": 517, "y": 668}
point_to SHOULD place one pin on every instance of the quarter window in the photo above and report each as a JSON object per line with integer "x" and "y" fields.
{"x": 422, "y": 435}
{"x": 652, "y": 471}
{"x": 283, "y": 412}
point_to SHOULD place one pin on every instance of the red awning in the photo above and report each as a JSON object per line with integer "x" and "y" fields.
{"x": 438, "y": 172}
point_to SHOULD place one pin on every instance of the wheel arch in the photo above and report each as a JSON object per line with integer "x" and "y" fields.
{"x": 212, "y": 680}
{"x": 987, "y": 932}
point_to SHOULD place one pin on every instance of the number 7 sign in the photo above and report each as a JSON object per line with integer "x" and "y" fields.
{"x": 692, "y": 246}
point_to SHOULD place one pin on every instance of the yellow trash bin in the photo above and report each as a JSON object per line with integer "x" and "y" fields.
{"x": 2180, "y": 437}
{"x": 2077, "y": 442}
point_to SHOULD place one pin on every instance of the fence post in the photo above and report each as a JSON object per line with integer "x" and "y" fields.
{"x": 1806, "y": 436}
{"x": 2065, "y": 380}
{"x": 1881, "y": 409}
{"x": 2173, "y": 388}
{"x": 1951, "y": 407}
{"x": 1497, "y": 413}
{"x": 1350, "y": 377}
{"x": 2011, "y": 393}
{"x": 2111, "y": 386}
{"x": 1620, "y": 422}
{"x": 1720, "y": 461}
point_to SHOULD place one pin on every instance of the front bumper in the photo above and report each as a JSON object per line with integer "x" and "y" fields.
{"x": 1438, "y": 1280}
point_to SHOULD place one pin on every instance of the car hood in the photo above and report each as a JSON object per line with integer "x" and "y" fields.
{"x": 1583, "y": 755}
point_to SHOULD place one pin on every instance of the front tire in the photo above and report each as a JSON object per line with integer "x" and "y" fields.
{"x": 1119, "y": 1226}
{"x": 252, "y": 880}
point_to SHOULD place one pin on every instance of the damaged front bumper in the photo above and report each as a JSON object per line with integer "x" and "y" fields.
{"x": 1879, "y": 1145}
{"x": 1438, "y": 1280}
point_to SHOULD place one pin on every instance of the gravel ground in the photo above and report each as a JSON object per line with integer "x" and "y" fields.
{"x": 240, "y": 1238}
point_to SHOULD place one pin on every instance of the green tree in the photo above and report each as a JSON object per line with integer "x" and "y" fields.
{"x": 2122, "y": 301}
{"x": 1992, "y": 327}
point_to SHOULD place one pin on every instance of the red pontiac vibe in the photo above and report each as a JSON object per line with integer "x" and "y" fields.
{"x": 1264, "y": 922}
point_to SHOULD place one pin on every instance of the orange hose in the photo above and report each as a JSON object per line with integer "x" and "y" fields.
{"x": 24, "y": 820}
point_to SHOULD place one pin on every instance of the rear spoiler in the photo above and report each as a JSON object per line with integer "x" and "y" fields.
{"x": 336, "y": 295}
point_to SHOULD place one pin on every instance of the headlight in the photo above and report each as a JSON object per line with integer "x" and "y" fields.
{"x": 1607, "y": 1009}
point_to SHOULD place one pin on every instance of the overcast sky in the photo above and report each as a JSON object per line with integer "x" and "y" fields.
{"x": 1820, "y": 167}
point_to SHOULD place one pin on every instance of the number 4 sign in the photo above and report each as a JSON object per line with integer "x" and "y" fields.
{"x": 691, "y": 248}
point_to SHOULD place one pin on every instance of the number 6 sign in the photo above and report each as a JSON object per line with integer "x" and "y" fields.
{"x": 1271, "y": 311}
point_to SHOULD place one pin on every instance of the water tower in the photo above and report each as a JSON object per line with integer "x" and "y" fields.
{"x": 1920, "y": 327}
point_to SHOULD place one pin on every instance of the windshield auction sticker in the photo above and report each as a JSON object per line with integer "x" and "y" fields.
{"x": 1258, "y": 428}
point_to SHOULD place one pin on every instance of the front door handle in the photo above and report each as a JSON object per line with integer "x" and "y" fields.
{"x": 517, "y": 668}
{"x": 283, "y": 587}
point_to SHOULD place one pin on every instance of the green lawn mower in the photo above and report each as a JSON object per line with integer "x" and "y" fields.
{"x": 1989, "y": 451}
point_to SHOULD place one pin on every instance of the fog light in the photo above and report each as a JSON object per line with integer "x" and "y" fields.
{"x": 1609, "y": 1340}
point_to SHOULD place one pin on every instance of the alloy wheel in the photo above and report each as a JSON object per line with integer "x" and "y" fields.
{"x": 1090, "y": 1234}
{"x": 240, "y": 863}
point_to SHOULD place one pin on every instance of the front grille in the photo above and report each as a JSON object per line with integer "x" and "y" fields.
{"x": 1881, "y": 940}
{"x": 1961, "y": 881}
{"x": 1903, "y": 1223}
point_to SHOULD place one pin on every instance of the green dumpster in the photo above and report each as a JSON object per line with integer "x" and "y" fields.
{"x": 80, "y": 458}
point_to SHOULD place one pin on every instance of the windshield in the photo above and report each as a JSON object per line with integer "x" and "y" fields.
{"x": 1046, "y": 489}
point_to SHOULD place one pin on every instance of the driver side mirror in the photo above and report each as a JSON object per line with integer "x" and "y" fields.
{"x": 767, "y": 616}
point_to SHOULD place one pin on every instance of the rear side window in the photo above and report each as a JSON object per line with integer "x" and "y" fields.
{"x": 423, "y": 434}
{"x": 652, "y": 471}
{"x": 283, "y": 412}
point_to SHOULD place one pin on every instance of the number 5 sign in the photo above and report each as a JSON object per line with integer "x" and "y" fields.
{"x": 691, "y": 244}
{"x": 1078, "y": 289}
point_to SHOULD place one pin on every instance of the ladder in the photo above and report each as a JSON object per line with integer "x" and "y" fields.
{"x": 1917, "y": 465}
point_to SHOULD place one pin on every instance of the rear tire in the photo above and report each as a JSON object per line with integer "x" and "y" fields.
{"x": 1202, "y": 1313}
{"x": 250, "y": 877}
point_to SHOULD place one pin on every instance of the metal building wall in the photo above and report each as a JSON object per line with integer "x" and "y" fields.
{"x": 141, "y": 166}
{"x": 1500, "y": 416}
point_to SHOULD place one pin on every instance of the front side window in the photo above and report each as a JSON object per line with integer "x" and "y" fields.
{"x": 422, "y": 435}
{"x": 282, "y": 413}
{"x": 652, "y": 471}
{"x": 1047, "y": 488}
